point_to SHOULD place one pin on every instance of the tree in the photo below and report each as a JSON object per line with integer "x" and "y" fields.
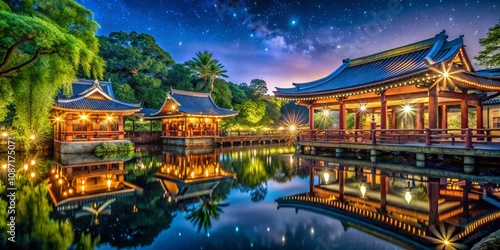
{"x": 259, "y": 85}
{"x": 136, "y": 62}
{"x": 206, "y": 68}
{"x": 490, "y": 55}
{"x": 43, "y": 45}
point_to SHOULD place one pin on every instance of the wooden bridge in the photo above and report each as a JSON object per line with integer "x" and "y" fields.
{"x": 250, "y": 139}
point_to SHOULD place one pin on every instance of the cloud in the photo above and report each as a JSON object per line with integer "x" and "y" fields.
{"x": 277, "y": 42}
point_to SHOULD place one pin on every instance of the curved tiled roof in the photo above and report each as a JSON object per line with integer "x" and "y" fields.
{"x": 193, "y": 103}
{"x": 81, "y": 98}
{"x": 391, "y": 64}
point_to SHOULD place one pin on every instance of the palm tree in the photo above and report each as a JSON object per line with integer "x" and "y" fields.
{"x": 206, "y": 68}
{"x": 203, "y": 215}
{"x": 216, "y": 71}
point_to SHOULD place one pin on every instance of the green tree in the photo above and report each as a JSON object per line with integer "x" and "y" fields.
{"x": 490, "y": 55}
{"x": 222, "y": 94}
{"x": 43, "y": 45}
{"x": 259, "y": 85}
{"x": 238, "y": 95}
{"x": 251, "y": 112}
{"x": 136, "y": 60}
{"x": 206, "y": 68}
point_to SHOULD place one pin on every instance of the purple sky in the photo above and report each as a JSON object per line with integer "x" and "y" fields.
{"x": 285, "y": 41}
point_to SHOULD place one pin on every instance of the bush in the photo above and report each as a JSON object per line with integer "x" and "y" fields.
{"x": 112, "y": 149}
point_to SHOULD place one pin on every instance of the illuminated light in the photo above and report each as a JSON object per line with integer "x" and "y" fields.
{"x": 109, "y": 118}
{"x": 268, "y": 229}
{"x": 70, "y": 190}
{"x": 326, "y": 112}
{"x": 83, "y": 189}
{"x": 60, "y": 181}
{"x": 407, "y": 108}
{"x": 292, "y": 128}
{"x": 83, "y": 117}
{"x": 326, "y": 176}
{"x": 283, "y": 238}
{"x": 362, "y": 189}
{"x": 4, "y": 134}
{"x": 446, "y": 74}
{"x": 192, "y": 174}
{"x": 206, "y": 173}
{"x": 170, "y": 199}
{"x": 312, "y": 230}
{"x": 446, "y": 242}
{"x": 57, "y": 176}
{"x": 32, "y": 162}
{"x": 408, "y": 196}
{"x": 25, "y": 167}
{"x": 280, "y": 128}
{"x": 32, "y": 137}
{"x": 109, "y": 183}
{"x": 83, "y": 182}
{"x": 32, "y": 174}
{"x": 173, "y": 107}
{"x": 237, "y": 229}
{"x": 362, "y": 107}
{"x": 65, "y": 194}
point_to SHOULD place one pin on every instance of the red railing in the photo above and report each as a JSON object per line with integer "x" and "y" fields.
{"x": 468, "y": 137}
{"x": 91, "y": 135}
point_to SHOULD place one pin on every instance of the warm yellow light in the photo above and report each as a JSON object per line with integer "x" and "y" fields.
{"x": 326, "y": 112}
{"x": 446, "y": 242}
{"x": 408, "y": 196}
{"x": 58, "y": 119}
{"x": 83, "y": 189}
{"x": 173, "y": 107}
{"x": 65, "y": 194}
{"x": 25, "y": 167}
{"x": 362, "y": 107}
{"x": 32, "y": 174}
{"x": 292, "y": 128}
{"x": 71, "y": 190}
{"x": 407, "y": 108}
{"x": 109, "y": 183}
{"x": 60, "y": 181}
{"x": 326, "y": 176}
{"x": 446, "y": 74}
{"x": 57, "y": 176}
{"x": 83, "y": 117}
{"x": 83, "y": 182}
{"x": 32, "y": 162}
{"x": 109, "y": 118}
{"x": 4, "y": 134}
{"x": 32, "y": 137}
{"x": 363, "y": 190}
{"x": 206, "y": 173}
{"x": 280, "y": 128}
{"x": 192, "y": 174}
{"x": 4, "y": 166}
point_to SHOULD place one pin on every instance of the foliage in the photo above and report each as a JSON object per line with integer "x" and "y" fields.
{"x": 490, "y": 55}
{"x": 455, "y": 120}
{"x": 43, "y": 46}
{"x": 221, "y": 94}
{"x": 206, "y": 68}
{"x": 137, "y": 62}
{"x": 207, "y": 210}
{"x": 113, "y": 149}
{"x": 251, "y": 112}
{"x": 259, "y": 85}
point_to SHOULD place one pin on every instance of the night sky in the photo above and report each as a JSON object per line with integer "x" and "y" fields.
{"x": 284, "y": 41}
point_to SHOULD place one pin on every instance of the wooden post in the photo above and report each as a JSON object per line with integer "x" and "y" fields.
{"x": 394, "y": 117}
{"x": 357, "y": 120}
{"x": 342, "y": 178}
{"x": 479, "y": 118}
{"x": 342, "y": 115}
{"x": 383, "y": 111}
{"x": 433, "y": 196}
{"x": 444, "y": 118}
{"x": 420, "y": 116}
{"x": 311, "y": 117}
{"x": 120, "y": 127}
{"x": 464, "y": 114}
{"x": 69, "y": 127}
{"x": 433, "y": 106}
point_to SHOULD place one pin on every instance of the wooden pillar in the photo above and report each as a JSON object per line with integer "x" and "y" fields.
{"x": 69, "y": 127}
{"x": 383, "y": 111}
{"x": 217, "y": 127}
{"x": 479, "y": 116}
{"x": 342, "y": 115}
{"x": 311, "y": 178}
{"x": 394, "y": 117}
{"x": 433, "y": 106}
{"x": 420, "y": 116}
{"x": 120, "y": 127}
{"x": 384, "y": 188}
{"x": 464, "y": 113}
{"x": 311, "y": 117}
{"x": 444, "y": 117}
{"x": 357, "y": 120}
{"x": 184, "y": 127}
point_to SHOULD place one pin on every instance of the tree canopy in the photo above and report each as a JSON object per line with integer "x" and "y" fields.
{"x": 43, "y": 44}
{"x": 490, "y": 55}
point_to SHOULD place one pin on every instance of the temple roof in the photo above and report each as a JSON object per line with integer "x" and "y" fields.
{"x": 385, "y": 66}
{"x": 93, "y": 95}
{"x": 191, "y": 103}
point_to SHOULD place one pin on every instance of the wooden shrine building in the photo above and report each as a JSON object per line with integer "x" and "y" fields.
{"x": 90, "y": 116}
{"x": 189, "y": 118}
{"x": 410, "y": 87}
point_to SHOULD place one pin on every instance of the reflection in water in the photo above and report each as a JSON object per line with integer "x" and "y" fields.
{"x": 448, "y": 211}
{"x": 202, "y": 216}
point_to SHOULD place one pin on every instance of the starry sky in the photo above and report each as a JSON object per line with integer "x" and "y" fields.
{"x": 285, "y": 41}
